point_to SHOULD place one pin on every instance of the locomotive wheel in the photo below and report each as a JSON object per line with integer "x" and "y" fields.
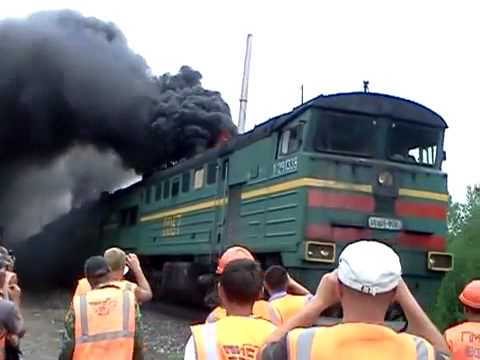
{"x": 179, "y": 282}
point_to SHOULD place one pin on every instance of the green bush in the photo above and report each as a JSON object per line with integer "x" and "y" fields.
{"x": 464, "y": 243}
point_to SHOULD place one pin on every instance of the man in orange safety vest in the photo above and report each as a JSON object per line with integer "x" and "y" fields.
{"x": 261, "y": 308}
{"x": 120, "y": 263}
{"x": 239, "y": 334}
{"x": 366, "y": 282}
{"x": 103, "y": 323}
{"x": 286, "y": 305}
{"x": 464, "y": 339}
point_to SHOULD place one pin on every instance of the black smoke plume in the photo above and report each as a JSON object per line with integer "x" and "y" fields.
{"x": 79, "y": 109}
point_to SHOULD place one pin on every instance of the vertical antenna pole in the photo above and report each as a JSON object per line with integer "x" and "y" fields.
{"x": 244, "y": 93}
{"x": 365, "y": 86}
{"x": 301, "y": 89}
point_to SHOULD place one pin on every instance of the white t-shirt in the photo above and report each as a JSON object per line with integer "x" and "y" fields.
{"x": 190, "y": 350}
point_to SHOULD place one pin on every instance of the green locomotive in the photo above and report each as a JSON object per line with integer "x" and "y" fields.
{"x": 295, "y": 190}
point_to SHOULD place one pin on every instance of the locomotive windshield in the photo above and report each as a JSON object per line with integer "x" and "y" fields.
{"x": 414, "y": 144}
{"x": 347, "y": 134}
{"x": 378, "y": 137}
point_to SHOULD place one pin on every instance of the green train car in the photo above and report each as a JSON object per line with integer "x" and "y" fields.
{"x": 295, "y": 190}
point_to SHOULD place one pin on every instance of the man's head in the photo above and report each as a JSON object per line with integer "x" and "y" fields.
{"x": 240, "y": 283}
{"x": 117, "y": 261}
{"x": 368, "y": 275}
{"x": 276, "y": 279}
{"x": 470, "y": 298}
{"x": 97, "y": 271}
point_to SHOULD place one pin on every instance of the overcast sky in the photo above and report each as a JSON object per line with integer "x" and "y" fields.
{"x": 426, "y": 51}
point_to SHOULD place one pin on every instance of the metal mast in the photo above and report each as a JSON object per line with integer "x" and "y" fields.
{"x": 244, "y": 93}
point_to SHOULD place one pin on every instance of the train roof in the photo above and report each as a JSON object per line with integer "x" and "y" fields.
{"x": 374, "y": 104}
{"x": 353, "y": 102}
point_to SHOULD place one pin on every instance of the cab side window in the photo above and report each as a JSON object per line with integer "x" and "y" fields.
{"x": 198, "y": 176}
{"x": 290, "y": 140}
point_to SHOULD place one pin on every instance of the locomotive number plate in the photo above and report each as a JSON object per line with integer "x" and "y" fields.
{"x": 285, "y": 167}
{"x": 375, "y": 222}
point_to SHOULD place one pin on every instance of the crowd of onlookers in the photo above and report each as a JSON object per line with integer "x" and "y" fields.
{"x": 264, "y": 315}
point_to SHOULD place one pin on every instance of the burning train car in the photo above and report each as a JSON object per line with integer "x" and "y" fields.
{"x": 295, "y": 190}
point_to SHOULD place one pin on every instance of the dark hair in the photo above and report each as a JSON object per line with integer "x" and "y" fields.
{"x": 472, "y": 310}
{"x": 241, "y": 281}
{"x": 276, "y": 277}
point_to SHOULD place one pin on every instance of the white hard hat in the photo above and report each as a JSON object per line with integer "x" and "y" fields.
{"x": 370, "y": 267}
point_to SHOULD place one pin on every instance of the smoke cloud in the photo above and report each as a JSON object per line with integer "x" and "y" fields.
{"x": 80, "y": 112}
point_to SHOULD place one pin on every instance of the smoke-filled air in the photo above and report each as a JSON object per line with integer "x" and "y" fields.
{"x": 82, "y": 113}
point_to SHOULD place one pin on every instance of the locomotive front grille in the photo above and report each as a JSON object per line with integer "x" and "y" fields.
{"x": 439, "y": 261}
{"x": 320, "y": 251}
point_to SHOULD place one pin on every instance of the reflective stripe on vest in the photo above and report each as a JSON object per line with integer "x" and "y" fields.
{"x": 305, "y": 341}
{"x": 233, "y": 337}
{"x": 421, "y": 348}
{"x": 111, "y": 335}
{"x": 209, "y": 340}
{"x": 304, "y": 344}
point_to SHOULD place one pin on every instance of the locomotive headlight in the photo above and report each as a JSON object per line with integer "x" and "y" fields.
{"x": 385, "y": 179}
{"x": 320, "y": 251}
{"x": 439, "y": 261}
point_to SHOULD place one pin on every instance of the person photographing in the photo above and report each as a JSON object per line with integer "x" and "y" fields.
{"x": 120, "y": 263}
{"x": 367, "y": 281}
{"x": 105, "y": 322}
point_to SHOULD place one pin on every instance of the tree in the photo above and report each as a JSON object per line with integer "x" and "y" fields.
{"x": 464, "y": 243}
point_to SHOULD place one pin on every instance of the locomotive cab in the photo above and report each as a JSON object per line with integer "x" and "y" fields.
{"x": 372, "y": 169}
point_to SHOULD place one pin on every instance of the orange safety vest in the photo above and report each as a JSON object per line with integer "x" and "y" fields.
{"x": 287, "y": 305}
{"x": 104, "y": 324}
{"x": 233, "y": 337}
{"x": 464, "y": 340}
{"x": 261, "y": 309}
{"x": 83, "y": 286}
{"x": 356, "y": 341}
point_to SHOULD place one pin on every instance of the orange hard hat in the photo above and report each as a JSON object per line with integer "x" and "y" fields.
{"x": 234, "y": 253}
{"x": 470, "y": 295}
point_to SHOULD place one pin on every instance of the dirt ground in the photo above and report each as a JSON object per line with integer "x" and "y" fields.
{"x": 166, "y": 327}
